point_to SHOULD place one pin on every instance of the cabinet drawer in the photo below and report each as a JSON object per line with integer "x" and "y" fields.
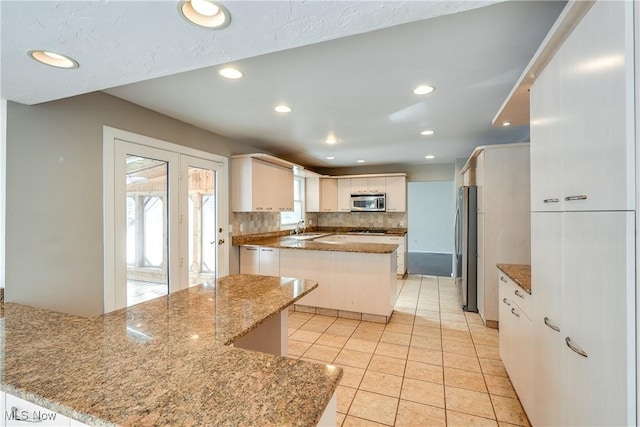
{"x": 516, "y": 294}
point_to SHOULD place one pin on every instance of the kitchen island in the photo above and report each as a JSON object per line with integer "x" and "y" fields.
{"x": 357, "y": 280}
{"x": 168, "y": 361}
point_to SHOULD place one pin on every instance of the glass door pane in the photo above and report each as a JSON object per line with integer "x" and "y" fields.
{"x": 147, "y": 228}
{"x": 202, "y": 226}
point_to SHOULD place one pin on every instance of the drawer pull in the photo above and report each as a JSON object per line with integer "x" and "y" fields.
{"x": 551, "y": 201}
{"x": 502, "y": 279}
{"x": 574, "y": 198}
{"x": 575, "y": 348}
{"x": 514, "y": 312}
{"x": 518, "y": 293}
{"x": 551, "y": 325}
{"x": 266, "y": 250}
{"x": 251, "y": 249}
{"x": 506, "y": 301}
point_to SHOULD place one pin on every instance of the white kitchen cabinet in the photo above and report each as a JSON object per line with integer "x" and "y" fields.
{"x": 515, "y": 336}
{"x": 581, "y": 120}
{"x": 547, "y": 317}
{"x": 328, "y": 195}
{"x": 504, "y": 227}
{"x": 321, "y": 194}
{"x": 368, "y": 185}
{"x": 396, "y": 189}
{"x": 259, "y": 260}
{"x": 599, "y": 317}
{"x": 344, "y": 195}
{"x": 259, "y": 186}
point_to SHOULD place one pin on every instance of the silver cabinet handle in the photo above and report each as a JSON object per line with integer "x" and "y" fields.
{"x": 551, "y": 201}
{"x": 575, "y": 348}
{"x": 251, "y": 249}
{"x": 502, "y": 279}
{"x": 573, "y": 198}
{"x": 551, "y": 325}
{"x": 506, "y": 301}
{"x": 514, "y": 312}
{"x": 517, "y": 292}
{"x": 266, "y": 250}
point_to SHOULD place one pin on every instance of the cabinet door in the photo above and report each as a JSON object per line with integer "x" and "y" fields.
{"x": 285, "y": 190}
{"x": 312, "y": 194}
{"x": 599, "y": 317}
{"x": 546, "y": 140}
{"x": 262, "y": 183}
{"x": 396, "y": 193}
{"x": 269, "y": 262}
{"x": 546, "y": 298}
{"x": 598, "y": 150}
{"x": 249, "y": 260}
{"x": 480, "y": 264}
{"x": 480, "y": 181}
{"x": 328, "y": 195}
{"x": 344, "y": 195}
{"x": 359, "y": 185}
{"x": 376, "y": 185}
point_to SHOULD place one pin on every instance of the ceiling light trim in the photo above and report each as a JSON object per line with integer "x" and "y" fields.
{"x": 53, "y": 59}
{"x": 221, "y": 19}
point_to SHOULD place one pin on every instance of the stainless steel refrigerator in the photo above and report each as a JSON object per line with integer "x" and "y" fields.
{"x": 466, "y": 239}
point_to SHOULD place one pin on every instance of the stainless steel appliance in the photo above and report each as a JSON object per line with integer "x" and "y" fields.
{"x": 375, "y": 202}
{"x": 466, "y": 239}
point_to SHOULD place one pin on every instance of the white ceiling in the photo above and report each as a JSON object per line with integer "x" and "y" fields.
{"x": 345, "y": 68}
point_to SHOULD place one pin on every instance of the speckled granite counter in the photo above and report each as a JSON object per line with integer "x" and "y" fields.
{"x": 291, "y": 243}
{"x": 250, "y": 238}
{"x": 519, "y": 273}
{"x": 163, "y": 362}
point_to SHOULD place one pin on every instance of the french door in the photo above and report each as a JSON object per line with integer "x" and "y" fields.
{"x": 165, "y": 215}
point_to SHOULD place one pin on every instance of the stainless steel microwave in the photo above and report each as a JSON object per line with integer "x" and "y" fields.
{"x": 368, "y": 202}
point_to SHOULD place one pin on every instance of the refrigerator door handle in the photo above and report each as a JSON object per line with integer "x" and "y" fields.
{"x": 455, "y": 231}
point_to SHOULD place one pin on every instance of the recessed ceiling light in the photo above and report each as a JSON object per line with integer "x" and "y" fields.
{"x": 361, "y": 161}
{"x": 282, "y": 109}
{"x": 331, "y": 158}
{"x": 205, "y": 13}
{"x": 506, "y": 123}
{"x": 430, "y": 156}
{"x": 230, "y": 73}
{"x": 423, "y": 90}
{"x": 53, "y": 59}
{"x": 331, "y": 140}
{"x": 427, "y": 132}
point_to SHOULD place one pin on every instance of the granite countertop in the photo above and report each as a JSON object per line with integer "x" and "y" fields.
{"x": 371, "y": 231}
{"x": 291, "y": 243}
{"x": 519, "y": 273}
{"x": 164, "y": 362}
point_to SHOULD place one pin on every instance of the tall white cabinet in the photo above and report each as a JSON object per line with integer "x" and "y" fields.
{"x": 502, "y": 178}
{"x": 583, "y": 257}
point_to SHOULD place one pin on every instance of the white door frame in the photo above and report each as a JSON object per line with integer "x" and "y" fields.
{"x": 113, "y": 298}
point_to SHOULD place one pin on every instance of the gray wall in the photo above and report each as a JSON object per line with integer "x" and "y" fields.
{"x": 54, "y": 247}
{"x": 431, "y": 210}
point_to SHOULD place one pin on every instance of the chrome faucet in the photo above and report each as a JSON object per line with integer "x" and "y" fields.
{"x": 297, "y": 230}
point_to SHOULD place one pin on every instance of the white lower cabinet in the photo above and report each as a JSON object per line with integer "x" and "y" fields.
{"x": 583, "y": 287}
{"x": 515, "y": 336}
{"x": 259, "y": 260}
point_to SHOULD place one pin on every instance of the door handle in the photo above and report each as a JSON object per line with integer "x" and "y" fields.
{"x": 221, "y": 241}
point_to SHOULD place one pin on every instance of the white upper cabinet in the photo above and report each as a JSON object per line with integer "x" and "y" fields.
{"x": 259, "y": 186}
{"x": 344, "y": 195}
{"x": 312, "y": 194}
{"x": 368, "y": 185}
{"x": 396, "y": 189}
{"x": 582, "y": 103}
{"x": 328, "y": 195}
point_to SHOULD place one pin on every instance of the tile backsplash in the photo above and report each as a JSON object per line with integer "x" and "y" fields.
{"x": 363, "y": 219}
{"x": 266, "y": 222}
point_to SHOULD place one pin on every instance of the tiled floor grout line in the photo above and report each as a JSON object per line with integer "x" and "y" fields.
{"x": 444, "y": 385}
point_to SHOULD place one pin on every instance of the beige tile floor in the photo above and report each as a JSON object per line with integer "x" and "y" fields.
{"x": 432, "y": 364}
